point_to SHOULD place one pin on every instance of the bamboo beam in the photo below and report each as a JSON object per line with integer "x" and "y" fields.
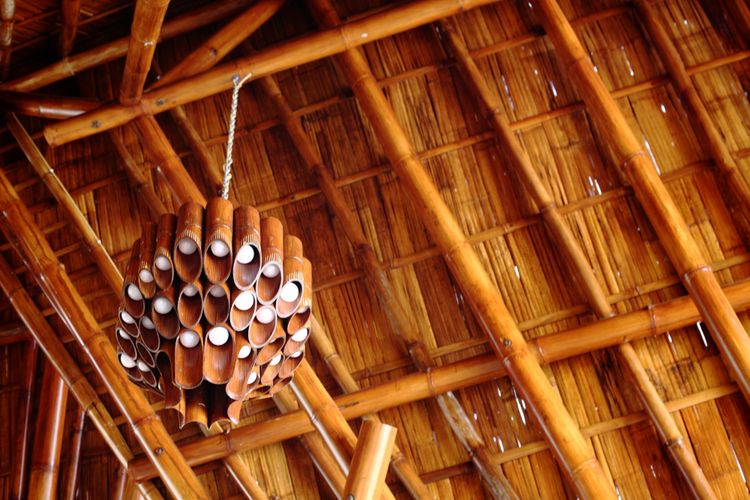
{"x": 25, "y": 409}
{"x": 635, "y": 165}
{"x": 45, "y": 106}
{"x": 144, "y": 34}
{"x": 603, "y": 334}
{"x": 48, "y": 436}
{"x": 577, "y": 263}
{"x": 70, "y": 16}
{"x": 366, "y": 478}
{"x": 572, "y": 450}
{"x": 381, "y": 24}
{"x": 20, "y": 229}
{"x": 7, "y": 17}
{"x": 74, "y": 457}
{"x": 54, "y": 184}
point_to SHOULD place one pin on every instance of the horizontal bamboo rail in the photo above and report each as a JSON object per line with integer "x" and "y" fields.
{"x": 662, "y": 212}
{"x": 384, "y": 23}
{"x": 21, "y": 230}
{"x": 70, "y": 16}
{"x": 45, "y": 106}
{"x": 74, "y": 455}
{"x": 48, "y": 436}
{"x": 366, "y": 478}
{"x": 25, "y": 409}
{"x": 602, "y": 334}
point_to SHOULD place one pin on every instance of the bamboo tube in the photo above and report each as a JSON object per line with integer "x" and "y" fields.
{"x": 145, "y": 356}
{"x": 125, "y": 343}
{"x": 218, "y": 257}
{"x": 133, "y": 300}
{"x": 121, "y": 485}
{"x": 146, "y": 282}
{"x": 243, "y": 309}
{"x": 219, "y": 354}
{"x": 188, "y": 358}
{"x": 187, "y": 257}
{"x": 19, "y": 228}
{"x": 127, "y": 322}
{"x": 246, "y": 247}
{"x": 144, "y": 34}
{"x": 48, "y": 437}
{"x": 149, "y": 337}
{"x": 270, "y": 371}
{"x": 272, "y": 259}
{"x": 216, "y": 304}
{"x": 7, "y": 15}
{"x": 237, "y": 387}
{"x": 190, "y": 304}
{"x": 56, "y": 187}
{"x": 272, "y": 347}
{"x": 163, "y": 265}
{"x": 661, "y": 210}
{"x": 164, "y": 313}
{"x": 292, "y": 290}
{"x": 572, "y": 450}
{"x": 291, "y": 362}
{"x": 74, "y": 456}
{"x": 263, "y": 326}
{"x": 381, "y": 24}
{"x": 68, "y": 369}
{"x": 45, "y": 106}
{"x": 165, "y": 362}
{"x": 25, "y": 409}
{"x": 69, "y": 26}
{"x": 370, "y": 463}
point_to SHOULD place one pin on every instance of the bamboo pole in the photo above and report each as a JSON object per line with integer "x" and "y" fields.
{"x": 572, "y": 450}
{"x": 708, "y": 133}
{"x": 74, "y": 457}
{"x": 25, "y": 409}
{"x": 70, "y": 16}
{"x": 7, "y": 16}
{"x": 661, "y": 210}
{"x": 381, "y": 24}
{"x": 603, "y": 334}
{"x": 48, "y": 436}
{"x": 144, "y": 34}
{"x": 366, "y": 478}
{"x": 19, "y": 228}
{"x": 578, "y": 266}
{"x": 69, "y": 371}
{"x": 45, "y": 106}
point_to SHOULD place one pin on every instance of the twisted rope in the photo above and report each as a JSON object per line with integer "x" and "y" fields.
{"x": 237, "y": 83}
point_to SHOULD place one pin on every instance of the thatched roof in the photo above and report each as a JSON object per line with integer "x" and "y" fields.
{"x": 430, "y": 298}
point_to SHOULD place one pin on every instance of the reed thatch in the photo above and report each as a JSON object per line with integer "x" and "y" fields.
{"x": 526, "y": 145}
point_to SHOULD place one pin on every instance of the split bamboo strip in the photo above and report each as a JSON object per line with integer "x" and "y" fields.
{"x": 25, "y": 409}
{"x": 74, "y": 457}
{"x": 384, "y": 23}
{"x": 48, "y": 436}
{"x": 602, "y": 334}
{"x": 58, "y": 190}
{"x": 366, "y": 478}
{"x": 578, "y": 265}
{"x": 144, "y": 34}
{"x": 45, "y": 106}
{"x": 572, "y": 450}
{"x": 661, "y": 210}
{"x": 707, "y": 132}
{"x": 20, "y": 228}
{"x": 7, "y": 17}
{"x": 70, "y": 16}
{"x": 69, "y": 371}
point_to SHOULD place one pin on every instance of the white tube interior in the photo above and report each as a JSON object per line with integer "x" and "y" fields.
{"x": 162, "y": 263}
{"x": 245, "y": 301}
{"x": 127, "y": 361}
{"x": 218, "y": 335}
{"x": 189, "y": 339}
{"x": 162, "y": 305}
{"x": 186, "y": 246}
{"x": 245, "y": 254}
{"x": 265, "y": 315}
{"x": 134, "y": 293}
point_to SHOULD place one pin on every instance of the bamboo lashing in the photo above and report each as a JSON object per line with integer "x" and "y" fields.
{"x": 144, "y": 34}
{"x": 70, "y": 16}
{"x": 20, "y": 228}
{"x": 578, "y": 265}
{"x": 370, "y": 462}
{"x": 74, "y": 456}
{"x": 7, "y": 18}
{"x": 25, "y": 409}
{"x": 603, "y": 334}
{"x": 572, "y": 450}
{"x": 48, "y": 436}
{"x": 661, "y": 210}
{"x": 283, "y": 56}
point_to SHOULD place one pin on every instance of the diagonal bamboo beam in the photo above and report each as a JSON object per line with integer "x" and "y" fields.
{"x": 400, "y": 322}
{"x": 381, "y": 24}
{"x": 370, "y": 462}
{"x": 603, "y": 334}
{"x": 635, "y": 165}
{"x": 7, "y": 16}
{"x": 69, "y": 371}
{"x": 144, "y": 34}
{"x": 74, "y": 458}
{"x": 45, "y": 106}
{"x": 20, "y": 229}
{"x": 577, "y": 264}
{"x": 572, "y": 450}
{"x": 25, "y": 409}
{"x": 48, "y": 436}
{"x": 70, "y": 16}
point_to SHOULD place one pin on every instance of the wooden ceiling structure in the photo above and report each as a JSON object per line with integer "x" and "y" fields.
{"x": 529, "y": 223}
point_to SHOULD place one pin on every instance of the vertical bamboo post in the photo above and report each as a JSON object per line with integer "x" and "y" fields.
{"x": 25, "y": 409}
{"x": 661, "y": 210}
{"x": 20, "y": 229}
{"x": 370, "y": 462}
{"x": 48, "y": 437}
{"x": 74, "y": 457}
{"x": 70, "y": 15}
{"x": 144, "y": 34}
{"x": 7, "y": 16}
{"x": 576, "y": 259}
{"x": 572, "y": 450}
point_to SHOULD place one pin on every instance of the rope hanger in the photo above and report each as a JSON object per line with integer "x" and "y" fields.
{"x": 237, "y": 83}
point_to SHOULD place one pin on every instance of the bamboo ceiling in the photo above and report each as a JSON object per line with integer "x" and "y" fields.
{"x": 422, "y": 319}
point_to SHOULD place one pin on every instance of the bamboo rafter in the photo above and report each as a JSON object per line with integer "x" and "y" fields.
{"x": 70, "y": 17}
{"x": 74, "y": 456}
{"x": 25, "y": 409}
